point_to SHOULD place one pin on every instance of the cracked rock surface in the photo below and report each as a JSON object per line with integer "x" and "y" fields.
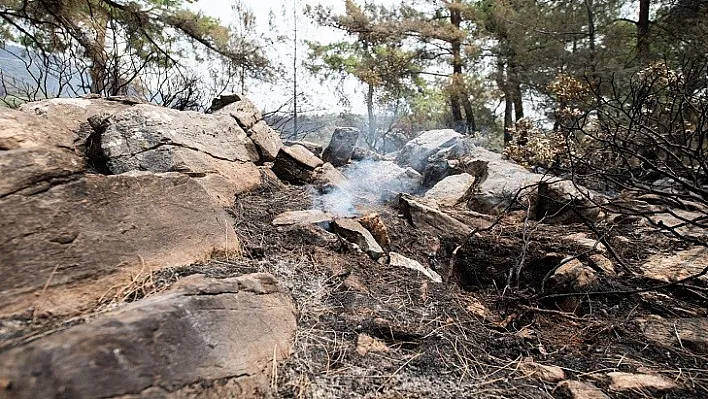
{"x": 201, "y": 330}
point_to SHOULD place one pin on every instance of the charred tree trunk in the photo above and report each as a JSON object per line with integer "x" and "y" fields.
{"x": 643, "y": 31}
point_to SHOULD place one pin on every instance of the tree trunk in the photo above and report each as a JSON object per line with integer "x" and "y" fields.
{"x": 508, "y": 100}
{"x": 372, "y": 115}
{"x": 100, "y": 79}
{"x": 458, "y": 93}
{"x": 643, "y": 31}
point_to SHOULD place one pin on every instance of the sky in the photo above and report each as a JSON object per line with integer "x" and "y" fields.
{"x": 322, "y": 97}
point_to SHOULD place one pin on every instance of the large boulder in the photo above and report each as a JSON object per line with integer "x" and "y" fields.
{"x": 144, "y": 137}
{"x": 417, "y": 151}
{"x": 451, "y": 190}
{"x": 211, "y": 148}
{"x": 341, "y": 146}
{"x": 203, "y": 330}
{"x": 86, "y": 236}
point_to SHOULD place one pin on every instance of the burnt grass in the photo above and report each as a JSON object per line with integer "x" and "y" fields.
{"x": 438, "y": 342}
{"x": 438, "y": 346}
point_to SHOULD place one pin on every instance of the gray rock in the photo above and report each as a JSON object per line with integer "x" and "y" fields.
{"x": 354, "y": 232}
{"x": 421, "y": 214}
{"x": 312, "y": 147}
{"x": 417, "y": 151}
{"x": 341, "y": 146}
{"x": 451, "y": 190}
{"x": 144, "y": 137}
{"x": 202, "y": 330}
{"x": 678, "y": 333}
{"x": 240, "y": 108}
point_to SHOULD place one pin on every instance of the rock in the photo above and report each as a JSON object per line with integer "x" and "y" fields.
{"x": 36, "y": 169}
{"x": 451, "y": 190}
{"x": 58, "y": 122}
{"x": 312, "y": 216}
{"x": 366, "y": 344}
{"x": 573, "y": 276}
{"x": 420, "y": 214}
{"x": 675, "y": 267}
{"x": 266, "y": 140}
{"x": 329, "y": 175}
{"x": 541, "y": 372}
{"x": 312, "y": 147}
{"x": 621, "y": 382}
{"x": 377, "y": 228}
{"x": 584, "y": 243}
{"x": 341, "y": 146}
{"x": 64, "y": 121}
{"x": 417, "y": 151}
{"x": 145, "y": 137}
{"x": 355, "y": 233}
{"x": 580, "y": 390}
{"x": 296, "y": 164}
{"x": 599, "y": 262}
{"x": 361, "y": 153}
{"x": 98, "y": 231}
{"x": 437, "y": 169}
{"x": 240, "y": 108}
{"x": 691, "y": 334}
{"x": 399, "y": 260}
{"x": 204, "y": 330}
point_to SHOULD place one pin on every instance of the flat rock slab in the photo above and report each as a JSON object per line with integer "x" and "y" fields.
{"x": 421, "y": 214}
{"x": 674, "y": 267}
{"x": 398, "y": 260}
{"x": 691, "y": 334}
{"x": 97, "y": 231}
{"x": 202, "y": 330}
{"x": 312, "y": 216}
{"x": 621, "y": 382}
{"x": 354, "y": 232}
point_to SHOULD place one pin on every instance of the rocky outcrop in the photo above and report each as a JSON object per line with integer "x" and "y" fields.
{"x": 341, "y": 146}
{"x": 203, "y": 330}
{"x": 97, "y": 230}
{"x": 678, "y": 333}
{"x": 421, "y": 214}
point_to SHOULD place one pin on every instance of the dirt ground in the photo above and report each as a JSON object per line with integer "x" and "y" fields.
{"x": 367, "y": 330}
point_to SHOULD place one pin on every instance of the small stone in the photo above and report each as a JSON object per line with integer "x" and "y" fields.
{"x": 401, "y": 261}
{"x": 354, "y": 232}
{"x": 312, "y": 216}
{"x": 541, "y": 371}
{"x": 604, "y": 264}
{"x": 621, "y": 382}
{"x": 377, "y": 228}
{"x": 580, "y": 390}
{"x": 366, "y": 344}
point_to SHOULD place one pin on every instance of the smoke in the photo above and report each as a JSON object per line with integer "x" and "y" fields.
{"x": 368, "y": 183}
